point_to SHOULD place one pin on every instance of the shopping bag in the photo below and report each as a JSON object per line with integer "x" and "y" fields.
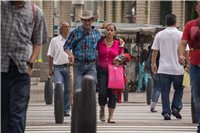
{"x": 115, "y": 77}
{"x": 186, "y": 79}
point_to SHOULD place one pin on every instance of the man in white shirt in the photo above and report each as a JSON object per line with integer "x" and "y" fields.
{"x": 59, "y": 58}
{"x": 167, "y": 42}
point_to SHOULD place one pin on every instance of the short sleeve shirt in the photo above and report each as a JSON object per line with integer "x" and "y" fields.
{"x": 167, "y": 42}
{"x": 191, "y": 33}
{"x": 16, "y": 34}
{"x": 56, "y": 51}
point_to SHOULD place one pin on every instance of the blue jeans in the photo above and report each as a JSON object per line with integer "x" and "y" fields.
{"x": 104, "y": 91}
{"x": 141, "y": 75}
{"x": 61, "y": 74}
{"x": 15, "y": 92}
{"x": 82, "y": 69}
{"x": 165, "y": 82}
{"x": 156, "y": 89}
{"x": 195, "y": 89}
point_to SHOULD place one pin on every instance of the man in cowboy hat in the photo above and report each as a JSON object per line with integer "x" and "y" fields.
{"x": 84, "y": 53}
{"x": 83, "y": 41}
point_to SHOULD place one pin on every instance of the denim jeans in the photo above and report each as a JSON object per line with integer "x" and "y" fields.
{"x": 104, "y": 91}
{"x": 82, "y": 69}
{"x": 195, "y": 89}
{"x": 61, "y": 74}
{"x": 155, "y": 90}
{"x": 15, "y": 92}
{"x": 165, "y": 84}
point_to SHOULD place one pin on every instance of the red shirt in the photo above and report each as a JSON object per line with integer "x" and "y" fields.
{"x": 191, "y": 33}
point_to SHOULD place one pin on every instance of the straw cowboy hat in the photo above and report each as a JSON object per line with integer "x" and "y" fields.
{"x": 86, "y": 14}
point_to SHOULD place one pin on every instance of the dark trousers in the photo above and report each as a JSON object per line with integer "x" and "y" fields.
{"x": 104, "y": 91}
{"x": 15, "y": 91}
{"x": 165, "y": 82}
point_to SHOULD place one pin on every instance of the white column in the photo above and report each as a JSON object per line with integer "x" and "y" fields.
{"x": 118, "y": 11}
{"x": 109, "y": 11}
{"x": 178, "y": 8}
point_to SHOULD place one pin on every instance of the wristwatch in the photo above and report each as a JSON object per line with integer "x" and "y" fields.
{"x": 153, "y": 64}
{"x": 31, "y": 64}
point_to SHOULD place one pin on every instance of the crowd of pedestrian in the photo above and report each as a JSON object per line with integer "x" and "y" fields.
{"x": 21, "y": 37}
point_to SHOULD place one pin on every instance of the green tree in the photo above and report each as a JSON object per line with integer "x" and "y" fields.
{"x": 193, "y": 14}
{"x": 165, "y": 8}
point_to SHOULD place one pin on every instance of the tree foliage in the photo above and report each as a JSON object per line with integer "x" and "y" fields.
{"x": 193, "y": 14}
{"x": 165, "y": 8}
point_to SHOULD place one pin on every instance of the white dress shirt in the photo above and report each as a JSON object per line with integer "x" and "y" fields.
{"x": 57, "y": 52}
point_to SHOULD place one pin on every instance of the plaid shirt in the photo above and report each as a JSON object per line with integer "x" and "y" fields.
{"x": 86, "y": 48}
{"x": 16, "y": 34}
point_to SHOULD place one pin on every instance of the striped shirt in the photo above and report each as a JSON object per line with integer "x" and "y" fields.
{"x": 16, "y": 34}
{"x": 86, "y": 48}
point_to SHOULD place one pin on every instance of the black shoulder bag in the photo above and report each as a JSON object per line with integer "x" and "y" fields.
{"x": 83, "y": 37}
{"x": 147, "y": 65}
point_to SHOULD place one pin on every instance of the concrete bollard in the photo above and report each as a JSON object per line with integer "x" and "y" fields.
{"x": 126, "y": 92}
{"x": 84, "y": 108}
{"x": 149, "y": 90}
{"x": 45, "y": 86}
{"x": 49, "y": 91}
{"x": 59, "y": 103}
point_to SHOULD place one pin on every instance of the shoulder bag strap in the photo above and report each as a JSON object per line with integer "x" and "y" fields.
{"x": 83, "y": 37}
{"x": 197, "y": 23}
{"x": 34, "y": 22}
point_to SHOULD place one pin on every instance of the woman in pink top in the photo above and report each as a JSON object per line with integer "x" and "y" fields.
{"x": 108, "y": 49}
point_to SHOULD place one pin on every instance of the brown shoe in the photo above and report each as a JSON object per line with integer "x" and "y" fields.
{"x": 102, "y": 116}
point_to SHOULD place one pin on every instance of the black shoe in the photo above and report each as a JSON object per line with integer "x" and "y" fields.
{"x": 176, "y": 114}
{"x": 167, "y": 117}
{"x": 66, "y": 114}
{"x": 153, "y": 110}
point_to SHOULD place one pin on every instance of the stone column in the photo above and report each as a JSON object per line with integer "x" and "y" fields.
{"x": 48, "y": 9}
{"x": 100, "y": 10}
{"x": 118, "y": 11}
{"x": 141, "y": 15}
{"x": 154, "y": 12}
{"x": 64, "y": 11}
{"x": 178, "y": 8}
{"x": 77, "y": 9}
{"x": 124, "y": 12}
{"x": 109, "y": 11}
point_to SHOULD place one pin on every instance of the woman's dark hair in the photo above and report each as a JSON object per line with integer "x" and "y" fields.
{"x": 170, "y": 19}
{"x": 114, "y": 29}
{"x": 143, "y": 56}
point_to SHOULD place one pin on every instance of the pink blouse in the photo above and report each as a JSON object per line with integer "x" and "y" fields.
{"x": 106, "y": 55}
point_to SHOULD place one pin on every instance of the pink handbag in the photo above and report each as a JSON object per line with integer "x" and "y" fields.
{"x": 115, "y": 77}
